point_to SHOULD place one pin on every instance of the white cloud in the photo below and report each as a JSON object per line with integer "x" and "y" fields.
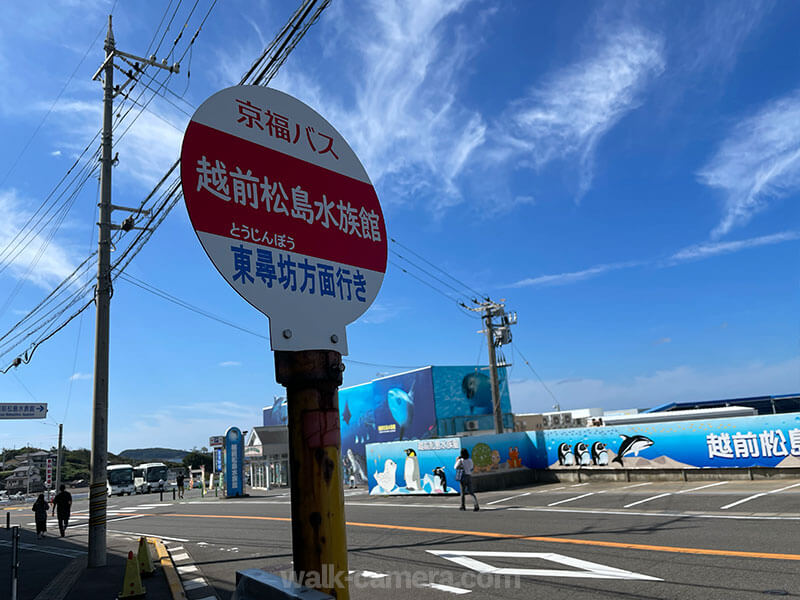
{"x": 80, "y": 376}
{"x": 758, "y": 162}
{"x": 706, "y": 250}
{"x": 568, "y": 114}
{"x": 402, "y": 116}
{"x": 694, "y": 252}
{"x": 664, "y": 340}
{"x": 54, "y": 264}
{"x": 230, "y": 363}
{"x": 679, "y": 384}
{"x": 55, "y": 153}
{"x": 574, "y": 276}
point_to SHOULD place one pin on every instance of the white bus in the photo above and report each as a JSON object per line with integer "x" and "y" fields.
{"x": 150, "y": 477}
{"x": 119, "y": 480}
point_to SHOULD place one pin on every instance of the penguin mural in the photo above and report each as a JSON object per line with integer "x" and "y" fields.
{"x": 439, "y": 472}
{"x": 599, "y": 454}
{"x": 582, "y": 456}
{"x": 411, "y": 471}
{"x": 565, "y": 457}
{"x": 386, "y": 479}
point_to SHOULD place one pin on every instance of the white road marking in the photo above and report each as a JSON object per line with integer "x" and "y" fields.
{"x": 372, "y": 575}
{"x": 182, "y": 556}
{"x": 702, "y": 487}
{"x": 550, "y": 490}
{"x": 195, "y": 583}
{"x": 136, "y": 533}
{"x": 677, "y": 513}
{"x": 580, "y": 484}
{"x": 647, "y": 499}
{"x": 587, "y": 570}
{"x": 509, "y": 498}
{"x": 46, "y": 549}
{"x": 446, "y": 588}
{"x": 627, "y": 487}
{"x": 754, "y": 496}
{"x": 573, "y": 498}
{"x": 186, "y": 569}
{"x": 175, "y": 549}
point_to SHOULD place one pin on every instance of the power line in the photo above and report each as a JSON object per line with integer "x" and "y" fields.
{"x": 458, "y": 281}
{"x": 530, "y": 366}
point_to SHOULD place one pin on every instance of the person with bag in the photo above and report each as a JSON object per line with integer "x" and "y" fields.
{"x": 39, "y": 509}
{"x": 464, "y": 469}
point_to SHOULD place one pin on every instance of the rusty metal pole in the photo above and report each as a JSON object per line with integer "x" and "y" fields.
{"x": 319, "y": 544}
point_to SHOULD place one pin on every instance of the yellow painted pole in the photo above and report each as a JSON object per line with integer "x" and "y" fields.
{"x": 319, "y": 544}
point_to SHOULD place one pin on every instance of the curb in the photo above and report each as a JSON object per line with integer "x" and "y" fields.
{"x": 173, "y": 580}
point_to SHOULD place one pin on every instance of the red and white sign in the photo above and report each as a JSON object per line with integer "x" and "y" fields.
{"x": 286, "y": 212}
{"x": 49, "y": 473}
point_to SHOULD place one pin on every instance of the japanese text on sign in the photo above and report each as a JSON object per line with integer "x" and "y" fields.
{"x": 770, "y": 443}
{"x": 247, "y": 189}
{"x": 278, "y": 126}
{"x": 316, "y": 278}
{"x": 446, "y": 444}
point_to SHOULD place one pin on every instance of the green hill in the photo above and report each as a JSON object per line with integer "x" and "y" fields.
{"x": 141, "y": 455}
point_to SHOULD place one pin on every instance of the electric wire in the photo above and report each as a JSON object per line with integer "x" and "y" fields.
{"x": 458, "y": 281}
{"x": 165, "y": 202}
{"x": 530, "y": 366}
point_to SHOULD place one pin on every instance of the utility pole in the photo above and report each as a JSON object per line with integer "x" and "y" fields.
{"x": 99, "y": 458}
{"x": 497, "y": 409}
{"x": 319, "y": 544}
{"x": 497, "y": 334}
{"x": 58, "y": 456}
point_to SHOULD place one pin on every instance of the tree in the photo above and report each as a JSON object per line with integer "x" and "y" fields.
{"x": 195, "y": 459}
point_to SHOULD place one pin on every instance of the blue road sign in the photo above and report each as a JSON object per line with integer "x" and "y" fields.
{"x": 234, "y": 462}
{"x": 23, "y": 410}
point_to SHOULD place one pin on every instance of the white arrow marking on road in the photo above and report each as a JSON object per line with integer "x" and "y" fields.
{"x": 589, "y": 570}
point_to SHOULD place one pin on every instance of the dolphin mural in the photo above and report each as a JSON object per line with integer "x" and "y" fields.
{"x": 631, "y": 445}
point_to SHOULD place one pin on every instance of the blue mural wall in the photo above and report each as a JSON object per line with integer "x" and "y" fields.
{"x": 757, "y": 441}
{"x": 413, "y": 467}
{"x": 467, "y": 391}
{"x": 277, "y": 414}
{"x": 399, "y": 407}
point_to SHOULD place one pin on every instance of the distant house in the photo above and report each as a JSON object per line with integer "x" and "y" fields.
{"x": 18, "y": 480}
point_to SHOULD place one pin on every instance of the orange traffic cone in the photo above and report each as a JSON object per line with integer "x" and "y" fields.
{"x": 132, "y": 584}
{"x": 144, "y": 559}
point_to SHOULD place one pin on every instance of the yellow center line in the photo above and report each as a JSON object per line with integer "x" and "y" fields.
{"x": 530, "y": 538}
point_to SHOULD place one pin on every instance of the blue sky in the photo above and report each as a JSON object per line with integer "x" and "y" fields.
{"x": 625, "y": 175}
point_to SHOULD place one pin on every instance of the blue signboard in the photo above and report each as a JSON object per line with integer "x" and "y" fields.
{"x": 23, "y": 410}
{"x": 234, "y": 462}
{"x": 218, "y": 460}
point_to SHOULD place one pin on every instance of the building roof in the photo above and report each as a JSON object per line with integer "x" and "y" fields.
{"x": 763, "y": 404}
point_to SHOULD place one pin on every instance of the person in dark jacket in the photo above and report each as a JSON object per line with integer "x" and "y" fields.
{"x": 40, "y": 515}
{"x": 179, "y": 480}
{"x": 62, "y": 504}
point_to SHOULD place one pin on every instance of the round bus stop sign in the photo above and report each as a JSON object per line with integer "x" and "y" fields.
{"x": 286, "y": 212}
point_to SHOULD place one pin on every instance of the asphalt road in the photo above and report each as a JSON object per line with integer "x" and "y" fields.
{"x": 736, "y": 539}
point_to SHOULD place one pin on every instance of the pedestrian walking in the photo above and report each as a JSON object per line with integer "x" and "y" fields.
{"x": 179, "y": 480}
{"x": 464, "y": 469}
{"x": 62, "y": 504}
{"x": 40, "y": 515}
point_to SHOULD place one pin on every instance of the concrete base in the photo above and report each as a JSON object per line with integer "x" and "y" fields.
{"x": 255, "y": 584}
